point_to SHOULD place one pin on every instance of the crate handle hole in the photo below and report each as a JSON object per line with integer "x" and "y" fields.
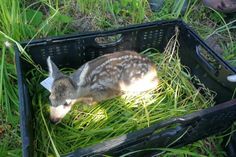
{"x": 108, "y": 40}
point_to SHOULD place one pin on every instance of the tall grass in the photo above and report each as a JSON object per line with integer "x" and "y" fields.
{"x": 110, "y": 14}
{"x": 9, "y": 15}
{"x": 18, "y": 24}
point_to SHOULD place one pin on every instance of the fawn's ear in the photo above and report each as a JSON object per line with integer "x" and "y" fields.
{"x": 54, "y": 72}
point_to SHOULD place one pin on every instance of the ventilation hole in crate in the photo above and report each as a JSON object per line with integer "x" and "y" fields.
{"x": 78, "y": 42}
{"x": 58, "y": 51}
{"x": 134, "y": 34}
{"x": 188, "y": 35}
{"x": 79, "y": 55}
{"x": 78, "y": 45}
{"x": 50, "y": 52}
{"x": 57, "y": 48}
{"x": 145, "y": 36}
{"x": 121, "y": 48}
{"x": 65, "y": 49}
{"x": 152, "y": 38}
{"x": 43, "y": 52}
{"x": 133, "y": 37}
{"x": 209, "y": 59}
{"x": 84, "y": 57}
{"x": 92, "y": 54}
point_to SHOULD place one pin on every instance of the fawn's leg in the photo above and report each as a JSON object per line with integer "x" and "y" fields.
{"x": 104, "y": 94}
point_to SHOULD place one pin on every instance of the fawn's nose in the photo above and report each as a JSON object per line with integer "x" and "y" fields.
{"x": 54, "y": 120}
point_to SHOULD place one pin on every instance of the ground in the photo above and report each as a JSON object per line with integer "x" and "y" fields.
{"x": 29, "y": 19}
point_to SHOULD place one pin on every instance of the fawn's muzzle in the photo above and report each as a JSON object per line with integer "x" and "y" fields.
{"x": 57, "y": 113}
{"x": 54, "y": 120}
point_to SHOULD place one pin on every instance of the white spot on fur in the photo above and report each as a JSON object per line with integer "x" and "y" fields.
{"x": 138, "y": 72}
{"x": 70, "y": 101}
{"x": 131, "y": 74}
{"x": 98, "y": 69}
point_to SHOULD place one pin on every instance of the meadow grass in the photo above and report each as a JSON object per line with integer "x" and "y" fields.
{"x": 27, "y": 20}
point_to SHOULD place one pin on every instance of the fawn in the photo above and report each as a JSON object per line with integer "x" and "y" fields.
{"x": 103, "y": 78}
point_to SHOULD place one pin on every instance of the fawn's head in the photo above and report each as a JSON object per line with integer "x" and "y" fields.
{"x": 63, "y": 93}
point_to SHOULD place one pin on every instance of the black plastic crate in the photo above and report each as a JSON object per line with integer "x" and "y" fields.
{"x": 74, "y": 50}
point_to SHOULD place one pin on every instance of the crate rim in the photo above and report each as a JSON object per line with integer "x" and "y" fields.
{"x": 101, "y": 33}
{"x": 75, "y": 35}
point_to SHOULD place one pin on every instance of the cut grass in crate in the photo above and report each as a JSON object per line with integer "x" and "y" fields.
{"x": 87, "y": 125}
